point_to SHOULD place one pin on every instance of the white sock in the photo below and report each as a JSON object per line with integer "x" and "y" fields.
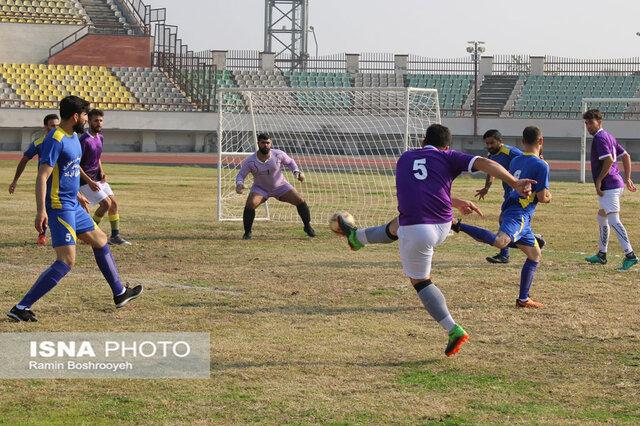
{"x": 361, "y": 235}
{"x": 621, "y": 232}
{"x": 447, "y": 323}
{"x": 603, "y": 226}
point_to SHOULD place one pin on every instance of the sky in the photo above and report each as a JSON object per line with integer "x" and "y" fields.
{"x": 432, "y": 28}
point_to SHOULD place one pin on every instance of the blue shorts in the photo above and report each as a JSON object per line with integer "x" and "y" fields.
{"x": 66, "y": 225}
{"x": 517, "y": 225}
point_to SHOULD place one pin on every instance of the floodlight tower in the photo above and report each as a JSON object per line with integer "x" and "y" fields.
{"x": 286, "y": 29}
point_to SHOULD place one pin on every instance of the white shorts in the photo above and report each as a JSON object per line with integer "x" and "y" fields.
{"x": 416, "y": 247}
{"x": 610, "y": 201}
{"x": 95, "y": 197}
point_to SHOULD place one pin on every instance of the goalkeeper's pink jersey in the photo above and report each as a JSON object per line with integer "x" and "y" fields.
{"x": 267, "y": 175}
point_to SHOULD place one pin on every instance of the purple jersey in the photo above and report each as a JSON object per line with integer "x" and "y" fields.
{"x": 423, "y": 184}
{"x": 91, "y": 152}
{"x": 605, "y": 145}
{"x": 268, "y": 175}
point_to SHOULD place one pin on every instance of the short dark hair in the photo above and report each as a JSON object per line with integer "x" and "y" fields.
{"x": 263, "y": 136}
{"x": 592, "y": 114}
{"x": 49, "y": 117}
{"x": 531, "y": 134}
{"x": 492, "y": 133}
{"x": 96, "y": 112}
{"x": 438, "y": 135}
{"x": 70, "y": 105}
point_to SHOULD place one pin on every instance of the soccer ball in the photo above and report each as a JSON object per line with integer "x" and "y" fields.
{"x": 335, "y": 226}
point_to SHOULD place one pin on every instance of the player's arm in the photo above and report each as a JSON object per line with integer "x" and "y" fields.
{"x": 544, "y": 196}
{"x": 101, "y": 174}
{"x": 84, "y": 201}
{"x": 607, "y": 163}
{"x": 240, "y": 177}
{"x": 291, "y": 165}
{"x": 480, "y": 193}
{"x": 44, "y": 171}
{"x": 626, "y": 167}
{"x": 490, "y": 167}
{"x": 92, "y": 184}
{"x": 465, "y": 207}
{"x": 19, "y": 169}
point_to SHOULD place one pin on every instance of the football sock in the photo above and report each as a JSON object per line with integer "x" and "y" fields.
{"x": 526, "y": 278}
{"x": 375, "y": 235}
{"x": 107, "y": 265}
{"x": 304, "y": 212}
{"x": 97, "y": 219}
{"x": 114, "y": 220}
{"x": 478, "y": 234}
{"x": 435, "y": 303}
{"x": 504, "y": 252}
{"x": 247, "y": 219}
{"x": 603, "y": 242}
{"x": 45, "y": 282}
{"x": 621, "y": 232}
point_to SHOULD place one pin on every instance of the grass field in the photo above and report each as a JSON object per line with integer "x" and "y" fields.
{"x": 305, "y": 331}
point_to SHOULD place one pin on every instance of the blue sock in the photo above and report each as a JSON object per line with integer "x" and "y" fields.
{"x": 504, "y": 252}
{"x": 107, "y": 265}
{"x": 45, "y": 282}
{"x": 478, "y": 234}
{"x": 526, "y": 278}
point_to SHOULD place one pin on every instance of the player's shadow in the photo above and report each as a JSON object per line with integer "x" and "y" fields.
{"x": 356, "y": 263}
{"x": 221, "y": 366}
{"x": 324, "y": 310}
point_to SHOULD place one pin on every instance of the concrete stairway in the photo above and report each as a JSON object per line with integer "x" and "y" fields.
{"x": 494, "y": 93}
{"x": 104, "y": 18}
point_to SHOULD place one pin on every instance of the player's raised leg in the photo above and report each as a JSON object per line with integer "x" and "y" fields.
{"x": 360, "y": 237}
{"x": 292, "y": 197}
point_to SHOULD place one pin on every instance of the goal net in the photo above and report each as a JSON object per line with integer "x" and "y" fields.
{"x": 612, "y": 109}
{"x": 345, "y": 140}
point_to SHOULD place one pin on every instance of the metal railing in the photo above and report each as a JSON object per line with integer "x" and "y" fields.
{"x": 243, "y": 60}
{"x": 384, "y": 63}
{"x": 336, "y": 63}
{"x": 555, "y": 65}
{"x": 423, "y": 65}
{"x": 511, "y": 65}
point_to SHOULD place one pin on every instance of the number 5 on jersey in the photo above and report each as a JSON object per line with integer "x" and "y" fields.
{"x": 420, "y": 169}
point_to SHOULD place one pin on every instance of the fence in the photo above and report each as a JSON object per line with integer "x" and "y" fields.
{"x": 556, "y": 65}
{"x": 422, "y": 65}
{"x": 511, "y": 64}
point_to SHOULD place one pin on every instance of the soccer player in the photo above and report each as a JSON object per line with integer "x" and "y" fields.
{"x": 605, "y": 152}
{"x": 57, "y": 187}
{"x": 93, "y": 181}
{"x": 51, "y": 121}
{"x": 268, "y": 181}
{"x": 423, "y": 183}
{"x": 502, "y": 154}
{"x": 517, "y": 213}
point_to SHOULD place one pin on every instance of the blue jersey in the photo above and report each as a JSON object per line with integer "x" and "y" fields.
{"x": 504, "y": 157}
{"x": 527, "y": 166}
{"x": 34, "y": 148}
{"x": 62, "y": 152}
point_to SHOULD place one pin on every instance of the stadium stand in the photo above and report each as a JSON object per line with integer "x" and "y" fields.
{"x": 561, "y": 96}
{"x": 58, "y": 12}
{"x": 453, "y": 89}
{"x": 152, "y": 89}
{"x": 42, "y": 86}
{"x": 105, "y": 15}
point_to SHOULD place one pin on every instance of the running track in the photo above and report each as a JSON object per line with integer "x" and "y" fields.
{"x": 211, "y": 159}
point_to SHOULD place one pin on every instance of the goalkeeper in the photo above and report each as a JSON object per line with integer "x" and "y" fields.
{"x": 268, "y": 181}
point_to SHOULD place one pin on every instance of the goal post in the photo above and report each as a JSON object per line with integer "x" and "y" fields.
{"x": 346, "y": 140}
{"x": 611, "y": 107}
